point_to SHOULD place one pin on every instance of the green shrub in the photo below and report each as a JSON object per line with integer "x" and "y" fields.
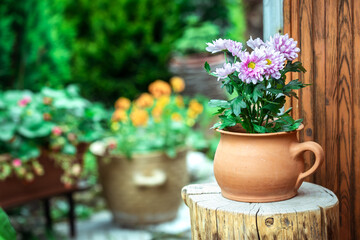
{"x": 122, "y": 45}
{"x": 34, "y": 46}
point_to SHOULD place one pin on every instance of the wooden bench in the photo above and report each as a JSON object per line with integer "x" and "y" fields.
{"x": 312, "y": 214}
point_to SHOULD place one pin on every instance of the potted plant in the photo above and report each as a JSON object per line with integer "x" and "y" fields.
{"x": 259, "y": 158}
{"x": 142, "y": 165}
{"x": 43, "y": 137}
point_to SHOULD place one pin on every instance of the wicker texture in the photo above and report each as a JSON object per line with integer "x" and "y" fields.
{"x": 133, "y": 204}
{"x": 197, "y": 80}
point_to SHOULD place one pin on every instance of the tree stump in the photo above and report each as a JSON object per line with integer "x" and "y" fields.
{"x": 312, "y": 214}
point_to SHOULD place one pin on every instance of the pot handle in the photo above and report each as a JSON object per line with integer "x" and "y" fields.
{"x": 319, "y": 158}
{"x": 156, "y": 178}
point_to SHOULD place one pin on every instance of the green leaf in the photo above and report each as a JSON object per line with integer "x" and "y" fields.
{"x": 229, "y": 88}
{"x": 37, "y": 130}
{"x": 258, "y": 91}
{"x": 69, "y": 149}
{"x": 7, "y": 232}
{"x": 274, "y": 91}
{"x": 219, "y": 103}
{"x": 259, "y": 129}
{"x": 171, "y": 152}
{"x": 207, "y": 67}
{"x": 293, "y": 85}
{"x": 7, "y": 130}
{"x": 236, "y": 104}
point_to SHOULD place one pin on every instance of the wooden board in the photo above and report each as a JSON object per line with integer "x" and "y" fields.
{"x": 312, "y": 214}
{"x": 328, "y": 32}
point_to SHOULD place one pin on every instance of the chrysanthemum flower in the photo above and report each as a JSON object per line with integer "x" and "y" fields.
{"x": 252, "y": 66}
{"x": 217, "y": 45}
{"x": 223, "y": 72}
{"x": 274, "y": 62}
{"x": 284, "y": 45}
{"x": 255, "y": 43}
{"x": 234, "y": 47}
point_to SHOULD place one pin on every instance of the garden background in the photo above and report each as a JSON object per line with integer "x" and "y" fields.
{"x": 100, "y": 50}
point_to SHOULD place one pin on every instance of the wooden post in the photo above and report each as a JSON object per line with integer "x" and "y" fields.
{"x": 312, "y": 214}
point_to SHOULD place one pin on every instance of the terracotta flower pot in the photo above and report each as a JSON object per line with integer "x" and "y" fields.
{"x": 262, "y": 167}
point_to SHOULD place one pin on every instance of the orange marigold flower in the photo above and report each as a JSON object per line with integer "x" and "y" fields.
{"x": 178, "y": 84}
{"x": 139, "y": 117}
{"x": 156, "y": 113}
{"x": 163, "y": 101}
{"x": 176, "y": 117}
{"x": 122, "y": 103}
{"x": 159, "y": 88}
{"x": 195, "y": 106}
{"x": 119, "y": 115}
{"x": 179, "y": 101}
{"x": 145, "y": 100}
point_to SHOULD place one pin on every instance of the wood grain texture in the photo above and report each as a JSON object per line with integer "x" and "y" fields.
{"x": 307, "y": 94}
{"x": 319, "y": 81}
{"x": 313, "y": 214}
{"x": 356, "y": 116}
{"x": 295, "y": 34}
{"x": 331, "y": 28}
{"x": 345, "y": 117}
{"x": 287, "y": 29}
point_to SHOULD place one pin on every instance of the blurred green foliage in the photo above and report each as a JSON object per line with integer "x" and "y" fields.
{"x": 7, "y": 232}
{"x": 109, "y": 48}
{"x": 122, "y": 45}
{"x": 34, "y": 46}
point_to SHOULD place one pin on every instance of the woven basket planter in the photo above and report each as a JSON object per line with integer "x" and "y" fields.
{"x": 197, "y": 80}
{"x": 145, "y": 189}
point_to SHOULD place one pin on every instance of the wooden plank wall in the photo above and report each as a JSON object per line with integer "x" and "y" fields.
{"x": 328, "y": 33}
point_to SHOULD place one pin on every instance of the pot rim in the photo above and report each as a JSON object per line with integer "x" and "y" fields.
{"x": 301, "y": 127}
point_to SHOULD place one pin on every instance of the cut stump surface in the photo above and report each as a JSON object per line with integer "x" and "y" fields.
{"x": 312, "y": 214}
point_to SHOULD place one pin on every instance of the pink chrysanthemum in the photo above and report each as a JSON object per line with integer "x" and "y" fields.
{"x": 284, "y": 45}
{"x": 252, "y": 66}
{"x": 217, "y": 46}
{"x": 274, "y": 62}
{"x": 255, "y": 43}
{"x": 225, "y": 71}
{"x": 234, "y": 47}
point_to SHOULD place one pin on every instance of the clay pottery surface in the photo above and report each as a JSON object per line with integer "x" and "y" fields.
{"x": 144, "y": 189}
{"x": 262, "y": 167}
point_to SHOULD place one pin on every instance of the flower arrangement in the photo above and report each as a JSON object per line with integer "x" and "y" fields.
{"x": 51, "y": 121}
{"x": 160, "y": 120}
{"x": 258, "y": 79}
